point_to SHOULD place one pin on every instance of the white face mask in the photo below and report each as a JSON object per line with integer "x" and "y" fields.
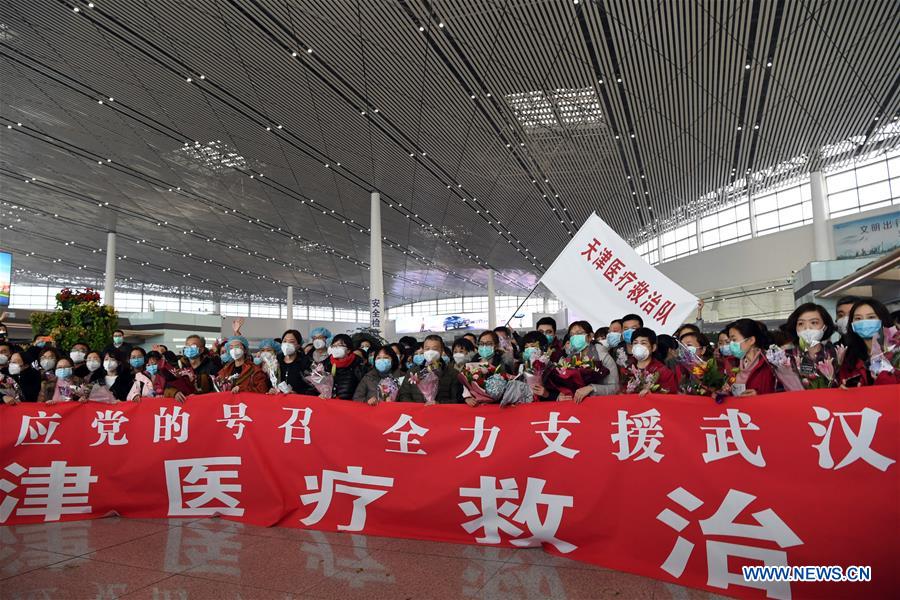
{"x": 318, "y": 343}
{"x": 337, "y": 352}
{"x": 640, "y": 352}
{"x": 110, "y": 365}
{"x": 841, "y": 324}
{"x": 47, "y": 364}
{"x": 460, "y": 357}
{"x": 3, "y": 359}
{"x": 77, "y": 356}
{"x": 431, "y": 355}
{"x": 288, "y": 349}
{"x": 92, "y": 365}
{"x": 236, "y": 353}
{"x": 811, "y": 336}
{"x": 15, "y": 368}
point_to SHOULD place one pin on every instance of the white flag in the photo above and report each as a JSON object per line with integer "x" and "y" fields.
{"x": 602, "y": 278}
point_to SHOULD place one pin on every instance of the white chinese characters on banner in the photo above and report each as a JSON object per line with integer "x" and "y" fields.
{"x": 38, "y": 430}
{"x": 646, "y": 432}
{"x": 860, "y": 442}
{"x": 555, "y": 436}
{"x": 108, "y": 423}
{"x": 728, "y": 439}
{"x": 50, "y": 491}
{"x": 601, "y": 278}
{"x": 234, "y": 417}
{"x": 477, "y": 436}
{"x": 202, "y": 491}
{"x": 492, "y": 516}
{"x": 171, "y": 425}
{"x": 770, "y": 528}
{"x": 297, "y": 427}
{"x": 404, "y": 442}
{"x": 352, "y": 483}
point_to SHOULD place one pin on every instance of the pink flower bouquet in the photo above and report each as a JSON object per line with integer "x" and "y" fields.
{"x": 387, "y": 390}
{"x": 427, "y": 381}
{"x": 322, "y": 381}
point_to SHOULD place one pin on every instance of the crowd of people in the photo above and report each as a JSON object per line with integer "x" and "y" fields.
{"x": 858, "y": 346}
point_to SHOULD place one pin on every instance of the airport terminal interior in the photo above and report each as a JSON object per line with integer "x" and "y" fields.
{"x": 460, "y": 298}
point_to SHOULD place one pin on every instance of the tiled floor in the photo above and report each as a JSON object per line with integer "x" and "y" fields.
{"x": 222, "y": 560}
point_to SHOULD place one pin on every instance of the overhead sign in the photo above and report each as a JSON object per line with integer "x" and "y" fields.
{"x": 870, "y": 236}
{"x": 678, "y": 488}
{"x": 602, "y": 278}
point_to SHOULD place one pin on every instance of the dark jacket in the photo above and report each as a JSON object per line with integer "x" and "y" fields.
{"x": 124, "y": 350}
{"x": 121, "y": 386}
{"x": 368, "y": 385}
{"x": 293, "y": 374}
{"x": 346, "y": 378}
{"x": 449, "y": 389}
{"x": 29, "y": 381}
{"x": 203, "y": 374}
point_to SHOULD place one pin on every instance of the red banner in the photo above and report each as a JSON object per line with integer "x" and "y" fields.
{"x": 672, "y": 487}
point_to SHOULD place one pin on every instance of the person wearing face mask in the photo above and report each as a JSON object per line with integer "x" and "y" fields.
{"x": 506, "y": 347}
{"x": 868, "y": 317}
{"x": 643, "y": 345}
{"x": 842, "y": 314}
{"x": 266, "y": 358}
{"x": 5, "y": 352}
{"x": 385, "y": 375}
{"x": 809, "y": 330}
{"x": 37, "y": 347}
{"x": 292, "y": 365}
{"x": 47, "y": 365}
{"x": 197, "y": 361}
{"x": 321, "y": 340}
{"x": 463, "y": 352}
{"x": 535, "y": 364}
{"x": 428, "y": 358}
{"x": 65, "y": 384}
{"x": 697, "y": 344}
{"x": 118, "y": 344}
{"x": 365, "y": 348}
{"x": 346, "y": 368}
{"x": 240, "y": 374}
{"x": 748, "y": 342}
{"x": 148, "y": 381}
{"x": 3, "y": 334}
{"x": 547, "y": 327}
{"x": 118, "y": 379}
{"x": 630, "y": 324}
{"x": 488, "y": 345}
{"x": 27, "y": 381}
{"x": 601, "y": 380}
{"x": 77, "y": 354}
{"x": 722, "y": 353}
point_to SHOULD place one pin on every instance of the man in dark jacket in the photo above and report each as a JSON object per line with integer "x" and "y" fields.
{"x": 197, "y": 361}
{"x": 449, "y": 390}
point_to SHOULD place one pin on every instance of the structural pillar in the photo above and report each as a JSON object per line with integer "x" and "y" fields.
{"x": 492, "y": 305}
{"x": 377, "y": 313}
{"x": 289, "y": 321}
{"x": 109, "y": 284}
{"x": 217, "y": 306}
{"x": 821, "y": 232}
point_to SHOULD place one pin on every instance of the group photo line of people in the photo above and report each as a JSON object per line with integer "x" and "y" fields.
{"x": 858, "y": 346}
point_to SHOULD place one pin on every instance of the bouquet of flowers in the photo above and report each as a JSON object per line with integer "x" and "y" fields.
{"x": 270, "y": 367}
{"x": 702, "y": 377}
{"x": 535, "y": 372}
{"x": 516, "y": 391}
{"x": 322, "y": 381}
{"x": 641, "y": 381}
{"x": 387, "y": 390}
{"x": 426, "y": 379}
{"x": 785, "y": 368}
{"x": 9, "y": 387}
{"x": 881, "y": 360}
{"x": 574, "y": 372}
{"x": 474, "y": 379}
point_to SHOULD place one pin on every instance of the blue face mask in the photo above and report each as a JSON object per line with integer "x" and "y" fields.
{"x": 64, "y": 373}
{"x": 725, "y": 349}
{"x": 867, "y": 328}
{"x": 257, "y": 360}
{"x": 531, "y": 353}
{"x": 419, "y": 359}
{"x": 485, "y": 351}
{"x": 136, "y": 363}
{"x": 226, "y": 358}
{"x": 445, "y": 358}
{"x": 409, "y": 365}
{"x": 191, "y": 352}
{"x": 578, "y": 342}
{"x": 40, "y": 344}
{"x": 383, "y": 365}
{"x": 691, "y": 350}
{"x": 152, "y": 369}
{"x": 613, "y": 339}
{"x": 371, "y": 360}
{"x": 736, "y": 350}
{"x": 627, "y": 334}
{"x": 550, "y": 338}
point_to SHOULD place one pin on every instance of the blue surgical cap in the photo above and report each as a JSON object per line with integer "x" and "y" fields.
{"x": 268, "y": 343}
{"x": 240, "y": 339}
{"x": 321, "y": 331}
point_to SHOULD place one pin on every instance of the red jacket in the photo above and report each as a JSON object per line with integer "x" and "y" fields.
{"x": 761, "y": 377}
{"x": 666, "y": 379}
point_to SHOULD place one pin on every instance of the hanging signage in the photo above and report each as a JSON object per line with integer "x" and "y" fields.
{"x": 870, "y": 236}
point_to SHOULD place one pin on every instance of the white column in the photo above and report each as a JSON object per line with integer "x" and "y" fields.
{"x": 492, "y": 304}
{"x": 217, "y": 306}
{"x": 109, "y": 285}
{"x": 289, "y": 321}
{"x": 821, "y": 232}
{"x": 377, "y": 313}
{"x": 546, "y": 305}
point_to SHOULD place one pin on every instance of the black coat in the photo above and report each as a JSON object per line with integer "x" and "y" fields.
{"x": 293, "y": 374}
{"x": 449, "y": 389}
{"x": 347, "y": 378}
{"x": 29, "y": 381}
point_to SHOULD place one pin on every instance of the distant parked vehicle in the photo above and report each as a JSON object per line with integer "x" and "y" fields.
{"x": 455, "y": 322}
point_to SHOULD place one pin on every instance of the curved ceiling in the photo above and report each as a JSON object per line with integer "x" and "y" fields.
{"x": 234, "y": 144}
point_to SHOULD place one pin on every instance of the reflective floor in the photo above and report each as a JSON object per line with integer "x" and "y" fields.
{"x": 221, "y": 560}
